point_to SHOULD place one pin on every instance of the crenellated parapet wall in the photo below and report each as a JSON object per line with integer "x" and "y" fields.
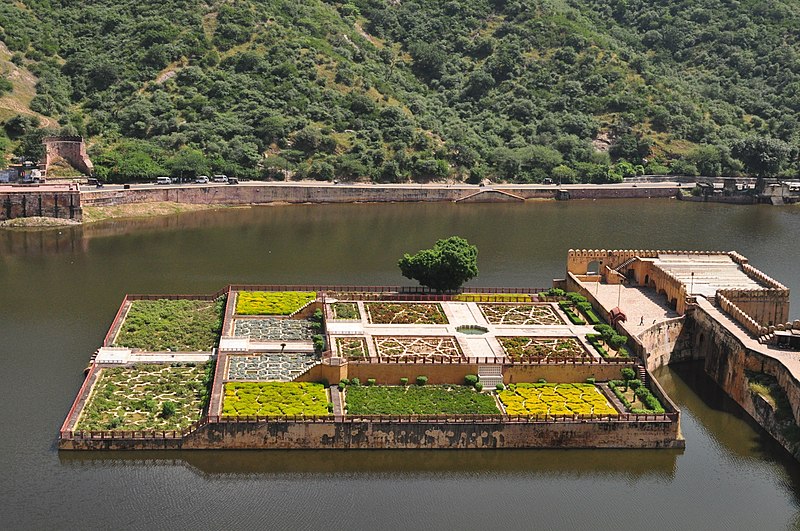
{"x": 765, "y": 307}
{"x": 730, "y": 308}
{"x": 578, "y": 260}
{"x": 763, "y": 278}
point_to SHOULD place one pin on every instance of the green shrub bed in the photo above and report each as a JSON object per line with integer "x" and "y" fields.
{"x": 352, "y": 347}
{"x": 572, "y": 313}
{"x": 345, "y": 310}
{"x": 493, "y": 297}
{"x": 176, "y": 325}
{"x": 543, "y": 399}
{"x": 639, "y": 402}
{"x": 147, "y": 397}
{"x": 595, "y": 341}
{"x": 418, "y": 400}
{"x": 272, "y": 302}
{"x": 274, "y": 399}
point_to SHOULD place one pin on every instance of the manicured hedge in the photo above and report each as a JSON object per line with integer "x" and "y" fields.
{"x": 418, "y": 400}
{"x": 653, "y": 405}
{"x": 493, "y": 297}
{"x": 272, "y": 302}
{"x": 572, "y": 315}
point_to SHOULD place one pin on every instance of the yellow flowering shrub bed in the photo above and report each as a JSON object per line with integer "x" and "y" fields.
{"x": 274, "y": 399}
{"x": 272, "y": 302}
{"x": 545, "y": 399}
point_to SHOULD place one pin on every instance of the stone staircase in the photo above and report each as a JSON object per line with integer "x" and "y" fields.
{"x": 490, "y": 375}
{"x": 625, "y": 264}
{"x": 642, "y": 375}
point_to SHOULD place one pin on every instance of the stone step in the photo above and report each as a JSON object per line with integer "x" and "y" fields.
{"x": 490, "y": 370}
{"x": 490, "y": 382}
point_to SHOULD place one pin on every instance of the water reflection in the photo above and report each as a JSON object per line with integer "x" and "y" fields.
{"x": 656, "y": 464}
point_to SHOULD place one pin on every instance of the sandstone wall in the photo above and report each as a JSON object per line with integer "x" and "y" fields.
{"x": 727, "y": 358}
{"x": 30, "y": 203}
{"x": 71, "y": 149}
{"x": 408, "y": 435}
{"x": 289, "y": 193}
{"x": 666, "y": 342}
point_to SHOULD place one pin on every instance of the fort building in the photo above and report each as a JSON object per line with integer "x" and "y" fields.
{"x": 702, "y": 305}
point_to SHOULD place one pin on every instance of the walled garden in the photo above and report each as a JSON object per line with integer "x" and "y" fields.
{"x": 636, "y": 398}
{"x": 524, "y": 349}
{"x": 405, "y": 313}
{"x": 279, "y": 366}
{"x": 520, "y": 314}
{"x": 274, "y": 399}
{"x": 345, "y": 310}
{"x": 352, "y": 347}
{"x": 543, "y": 399}
{"x": 418, "y": 400}
{"x": 272, "y": 302}
{"x": 146, "y": 397}
{"x": 417, "y": 348}
{"x": 174, "y": 325}
{"x": 275, "y": 329}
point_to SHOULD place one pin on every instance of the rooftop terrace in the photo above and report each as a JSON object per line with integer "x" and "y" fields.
{"x": 704, "y": 274}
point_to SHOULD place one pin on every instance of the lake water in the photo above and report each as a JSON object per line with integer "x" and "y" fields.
{"x": 59, "y": 291}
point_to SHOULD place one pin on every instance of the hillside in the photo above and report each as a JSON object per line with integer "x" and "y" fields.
{"x": 414, "y": 90}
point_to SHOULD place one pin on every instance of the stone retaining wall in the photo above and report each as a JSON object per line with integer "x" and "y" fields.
{"x": 26, "y": 203}
{"x": 727, "y": 358}
{"x": 288, "y": 193}
{"x": 407, "y": 435}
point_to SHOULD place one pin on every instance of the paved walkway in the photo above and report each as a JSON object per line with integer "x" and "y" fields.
{"x": 462, "y": 314}
{"x": 640, "y": 304}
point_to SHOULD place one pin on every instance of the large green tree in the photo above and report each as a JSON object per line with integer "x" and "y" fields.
{"x": 762, "y": 156}
{"x": 445, "y": 267}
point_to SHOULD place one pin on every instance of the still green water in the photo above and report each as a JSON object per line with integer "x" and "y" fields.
{"x": 59, "y": 290}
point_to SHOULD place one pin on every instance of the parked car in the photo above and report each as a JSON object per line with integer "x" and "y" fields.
{"x": 201, "y": 179}
{"x": 91, "y": 181}
{"x": 220, "y": 179}
{"x": 163, "y": 180}
{"x": 233, "y": 180}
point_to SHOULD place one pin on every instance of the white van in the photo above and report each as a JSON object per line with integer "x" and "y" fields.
{"x": 220, "y": 178}
{"x": 163, "y": 180}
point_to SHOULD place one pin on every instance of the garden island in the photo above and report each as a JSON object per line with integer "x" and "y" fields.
{"x": 436, "y": 366}
{"x": 366, "y": 367}
{"x": 281, "y": 367}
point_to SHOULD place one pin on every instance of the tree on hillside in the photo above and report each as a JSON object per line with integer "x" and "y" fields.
{"x": 445, "y": 267}
{"x": 189, "y": 163}
{"x": 762, "y": 156}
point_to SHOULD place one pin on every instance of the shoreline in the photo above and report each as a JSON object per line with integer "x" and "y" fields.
{"x": 144, "y": 201}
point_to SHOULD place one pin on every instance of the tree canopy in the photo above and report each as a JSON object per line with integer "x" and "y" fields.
{"x": 446, "y": 267}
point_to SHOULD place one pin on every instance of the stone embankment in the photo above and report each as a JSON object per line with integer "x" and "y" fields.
{"x": 265, "y": 193}
{"x": 50, "y": 201}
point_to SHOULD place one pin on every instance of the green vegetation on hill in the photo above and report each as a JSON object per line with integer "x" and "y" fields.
{"x": 421, "y": 89}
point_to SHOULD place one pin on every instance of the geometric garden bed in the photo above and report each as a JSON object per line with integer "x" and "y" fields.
{"x": 526, "y": 349}
{"x": 417, "y": 348}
